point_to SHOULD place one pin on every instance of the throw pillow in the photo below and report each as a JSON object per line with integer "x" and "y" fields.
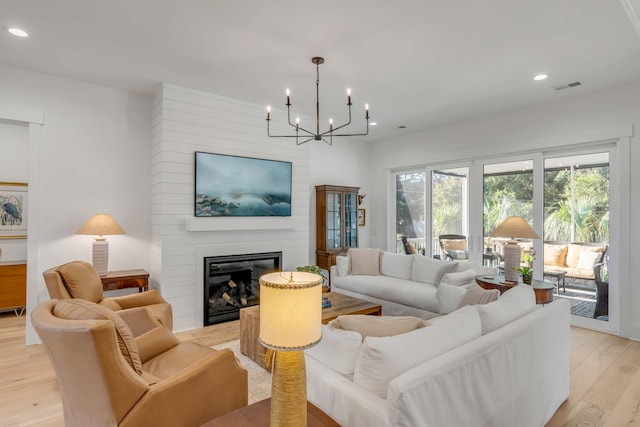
{"x": 382, "y": 359}
{"x": 78, "y": 309}
{"x": 513, "y": 304}
{"x": 395, "y": 265}
{"x": 449, "y": 297}
{"x": 377, "y": 326}
{"x": 428, "y": 270}
{"x": 555, "y": 254}
{"x": 573, "y": 255}
{"x": 476, "y": 295}
{"x": 81, "y": 280}
{"x": 342, "y": 265}
{"x": 364, "y": 262}
{"x": 587, "y": 260}
{"x": 338, "y": 349}
{"x": 459, "y": 278}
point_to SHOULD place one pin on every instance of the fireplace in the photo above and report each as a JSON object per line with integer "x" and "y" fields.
{"x": 231, "y": 282}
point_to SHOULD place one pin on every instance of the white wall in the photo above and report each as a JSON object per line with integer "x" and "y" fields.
{"x": 186, "y": 121}
{"x": 14, "y": 162}
{"x": 568, "y": 120}
{"x": 346, "y": 163}
{"x": 95, "y": 156}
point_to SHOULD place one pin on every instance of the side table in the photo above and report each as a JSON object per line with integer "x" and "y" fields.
{"x": 115, "y": 280}
{"x": 542, "y": 288}
{"x": 258, "y": 414}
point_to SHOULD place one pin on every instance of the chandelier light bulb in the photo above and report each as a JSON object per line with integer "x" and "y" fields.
{"x": 348, "y": 92}
{"x": 288, "y": 92}
{"x": 268, "y": 108}
{"x": 297, "y": 120}
{"x": 366, "y": 107}
{"x": 330, "y": 121}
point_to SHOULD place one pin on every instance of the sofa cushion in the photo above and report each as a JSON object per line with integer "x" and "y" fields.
{"x": 342, "y": 265}
{"x": 513, "y": 304}
{"x": 449, "y": 297}
{"x": 458, "y": 278}
{"x": 377, "y": 326}
{"x": 364, "y": 261}
{"x": 555, "y": 254}
{"x": 338, "y": 349}
{"x": 400, "y": 291}
{"x": 429, "y": 270}
{"x": 79, "y": 309}
{"x": 81, "y": 280}
{"x": 382, "y": 359}
{"x": 573, "y": 255}
{"x": 396, "y": 265}
{"x": 587, "y": 259}
{"x": 476, "y": 295}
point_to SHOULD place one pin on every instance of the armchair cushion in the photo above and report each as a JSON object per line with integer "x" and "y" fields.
{"x": 78, "y": 309}
{"x": 154, "y": 342}
{"x": 81, "y": 280}
{"x": 364, "y": 261}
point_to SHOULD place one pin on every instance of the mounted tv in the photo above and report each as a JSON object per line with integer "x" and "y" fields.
{"x": 241, "y": 186}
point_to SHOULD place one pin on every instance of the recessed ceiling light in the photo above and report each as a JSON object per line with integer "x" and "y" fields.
{"x": 540, "y": 77}
{"x": 18, "y": 32}
{"x": 374, "y": 123}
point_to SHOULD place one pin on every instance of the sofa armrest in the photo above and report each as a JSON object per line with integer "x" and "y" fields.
{"x": 139, "y": 299}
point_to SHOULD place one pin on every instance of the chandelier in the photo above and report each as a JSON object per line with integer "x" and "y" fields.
{"x": 317, "y": 135}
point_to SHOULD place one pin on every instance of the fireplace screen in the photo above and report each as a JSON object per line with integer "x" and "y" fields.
{"x": 231, "y": 282}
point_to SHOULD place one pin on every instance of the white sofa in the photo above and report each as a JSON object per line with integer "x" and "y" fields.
{"x": 404, "y": 285}
{"x": 501, "y": 364}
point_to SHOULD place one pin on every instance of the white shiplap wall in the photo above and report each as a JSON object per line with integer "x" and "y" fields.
{"x": 186, "y": 121}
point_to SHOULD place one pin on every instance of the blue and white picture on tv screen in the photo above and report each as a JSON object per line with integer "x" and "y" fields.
{"x": 241, "y": 186}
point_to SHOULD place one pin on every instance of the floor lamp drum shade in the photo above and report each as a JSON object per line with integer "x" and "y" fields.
{"x": 514, "y": 227}
{"x": 290, "y": 321}
{"x": 101, "y": 225}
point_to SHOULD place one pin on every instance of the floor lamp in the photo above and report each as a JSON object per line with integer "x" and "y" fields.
{"x": 290, "y": 321}
{"x": 513, "y": 227}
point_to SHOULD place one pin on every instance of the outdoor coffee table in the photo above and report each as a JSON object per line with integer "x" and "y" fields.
{"x": 560, "y": 276}
{"x": 340, "y": 305}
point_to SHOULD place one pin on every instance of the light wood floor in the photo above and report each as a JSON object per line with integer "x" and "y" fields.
{"x": 605, "y": 378}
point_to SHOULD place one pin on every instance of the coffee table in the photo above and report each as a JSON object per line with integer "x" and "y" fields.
{"x": 542, "y": 288}
{"x": 258, "y": 415}
{"x": 340, "y": 305}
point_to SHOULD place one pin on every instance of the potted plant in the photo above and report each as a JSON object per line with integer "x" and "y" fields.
{"x": 488, "y": 245}
{"x": 527, "y": 274}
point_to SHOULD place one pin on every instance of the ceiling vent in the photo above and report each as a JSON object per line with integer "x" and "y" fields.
{"x": 567, "y": 85}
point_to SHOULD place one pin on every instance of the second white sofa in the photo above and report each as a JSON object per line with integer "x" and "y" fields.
{"x": 404, "y": 285}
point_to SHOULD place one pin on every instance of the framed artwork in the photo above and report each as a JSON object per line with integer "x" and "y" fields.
{"x": 362, "y": 217}
{"x": 13, "y": 210}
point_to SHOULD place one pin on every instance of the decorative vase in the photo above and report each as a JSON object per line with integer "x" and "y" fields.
{"x": 527, "y": 278}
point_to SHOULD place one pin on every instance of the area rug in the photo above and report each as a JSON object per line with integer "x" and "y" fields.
{"x": 259, "y": 378}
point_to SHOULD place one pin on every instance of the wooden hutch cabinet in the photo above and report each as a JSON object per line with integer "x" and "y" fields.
{"x": 336, "y": 222}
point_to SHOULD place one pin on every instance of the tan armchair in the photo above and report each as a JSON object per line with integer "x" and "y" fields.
{"x": 79, "y": 279}
{"x": 109, "y": 378}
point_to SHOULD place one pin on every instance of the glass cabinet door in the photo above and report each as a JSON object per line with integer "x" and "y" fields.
{"x": 334, "y": 205}
{"x": 351, "y": 220}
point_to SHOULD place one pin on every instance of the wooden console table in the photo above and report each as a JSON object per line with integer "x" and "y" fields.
{"x": 542, "y": 288}
{"x": 115, "y": 280}
{"x": 13, "y": 285}
{"x": 258, "y": 415}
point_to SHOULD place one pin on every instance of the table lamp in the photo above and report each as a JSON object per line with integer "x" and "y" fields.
{"x": 290, "y": 321}
{"x": 513, "y": 227}
{"x": 101, "y": 225}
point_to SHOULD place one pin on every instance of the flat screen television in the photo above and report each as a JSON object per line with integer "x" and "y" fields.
{"x": 241, "y": 186}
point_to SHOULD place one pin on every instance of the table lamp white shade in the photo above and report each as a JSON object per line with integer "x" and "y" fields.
{"x": 290, "y": 310}
{"x": 290, "y": 321}
{"x": 513, "y": 227}
{"x": 101, "y": 225}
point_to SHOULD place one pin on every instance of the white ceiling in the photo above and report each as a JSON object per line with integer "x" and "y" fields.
{"x": 418, "y": 63}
